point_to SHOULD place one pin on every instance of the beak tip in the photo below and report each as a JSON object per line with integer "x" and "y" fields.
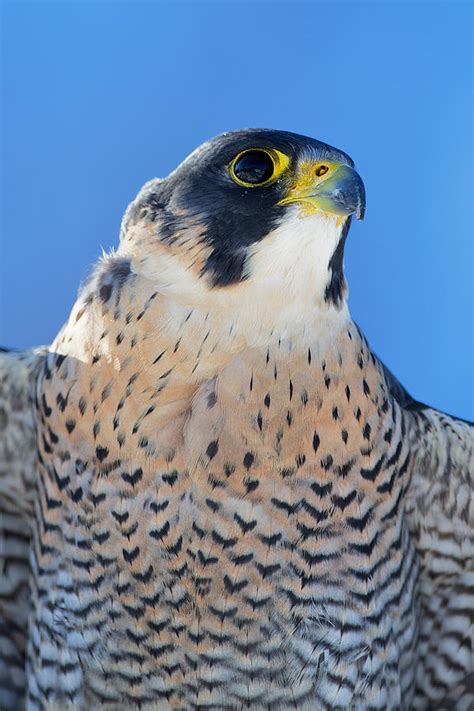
{"x": 348, "y": 190}
{"x": 360, "y": 211}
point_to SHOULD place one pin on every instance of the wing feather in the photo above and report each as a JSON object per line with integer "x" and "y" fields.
{"x": 440, "y": 511}
{"x": 440, "y": 507}
{"x": 18, "y": 372}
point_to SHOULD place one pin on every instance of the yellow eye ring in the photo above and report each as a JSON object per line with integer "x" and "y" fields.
{"x": 258, "y": 167}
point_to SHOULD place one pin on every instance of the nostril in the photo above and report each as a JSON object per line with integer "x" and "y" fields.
{"x": 321, "y": 170}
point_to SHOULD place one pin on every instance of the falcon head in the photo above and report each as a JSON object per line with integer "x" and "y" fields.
{"x": 251, "y": 217}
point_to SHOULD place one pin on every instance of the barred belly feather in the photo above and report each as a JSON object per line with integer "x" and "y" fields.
{"x": 233, "y": 572}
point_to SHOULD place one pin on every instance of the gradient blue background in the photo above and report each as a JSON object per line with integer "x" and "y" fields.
{"x": 100, "y": 96}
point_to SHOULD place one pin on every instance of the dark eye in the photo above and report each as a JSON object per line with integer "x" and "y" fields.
{"x": 253, "y": 167}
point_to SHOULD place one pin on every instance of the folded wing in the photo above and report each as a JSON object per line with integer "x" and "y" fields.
{"x": 18, "y": 372}
{"x": 440, "y": 507}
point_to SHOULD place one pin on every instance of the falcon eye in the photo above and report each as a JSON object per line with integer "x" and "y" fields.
{"x": 321, "y": 170}
{"x": 257, "y": 167}
{"x": 253, "y": 167}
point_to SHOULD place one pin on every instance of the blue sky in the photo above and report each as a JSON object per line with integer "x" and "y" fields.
{"x": 98, "y": 97}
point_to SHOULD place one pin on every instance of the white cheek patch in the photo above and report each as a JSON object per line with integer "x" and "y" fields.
{"x": 282, "y": 294}
{"x": 295, "y": 257}
{"x": 287, "y": 274}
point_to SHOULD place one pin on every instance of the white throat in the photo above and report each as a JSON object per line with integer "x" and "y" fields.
{"x": 283, "y": 295}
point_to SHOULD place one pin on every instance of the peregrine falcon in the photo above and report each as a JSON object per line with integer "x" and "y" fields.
{"x": 214, "y": 495}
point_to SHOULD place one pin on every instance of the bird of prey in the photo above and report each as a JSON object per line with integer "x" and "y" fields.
{"x": 214, "y": 495}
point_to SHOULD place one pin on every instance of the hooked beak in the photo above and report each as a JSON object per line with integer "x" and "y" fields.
{"x": 330, "y": 187}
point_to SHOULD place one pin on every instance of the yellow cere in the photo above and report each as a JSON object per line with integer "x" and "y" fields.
{"x": 280, "y": 164}
{"x": 309, "y": 175}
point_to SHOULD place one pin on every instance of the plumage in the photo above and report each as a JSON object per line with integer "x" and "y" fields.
{"x": 236, "y": 505}
{"x": 18, "y": 469}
